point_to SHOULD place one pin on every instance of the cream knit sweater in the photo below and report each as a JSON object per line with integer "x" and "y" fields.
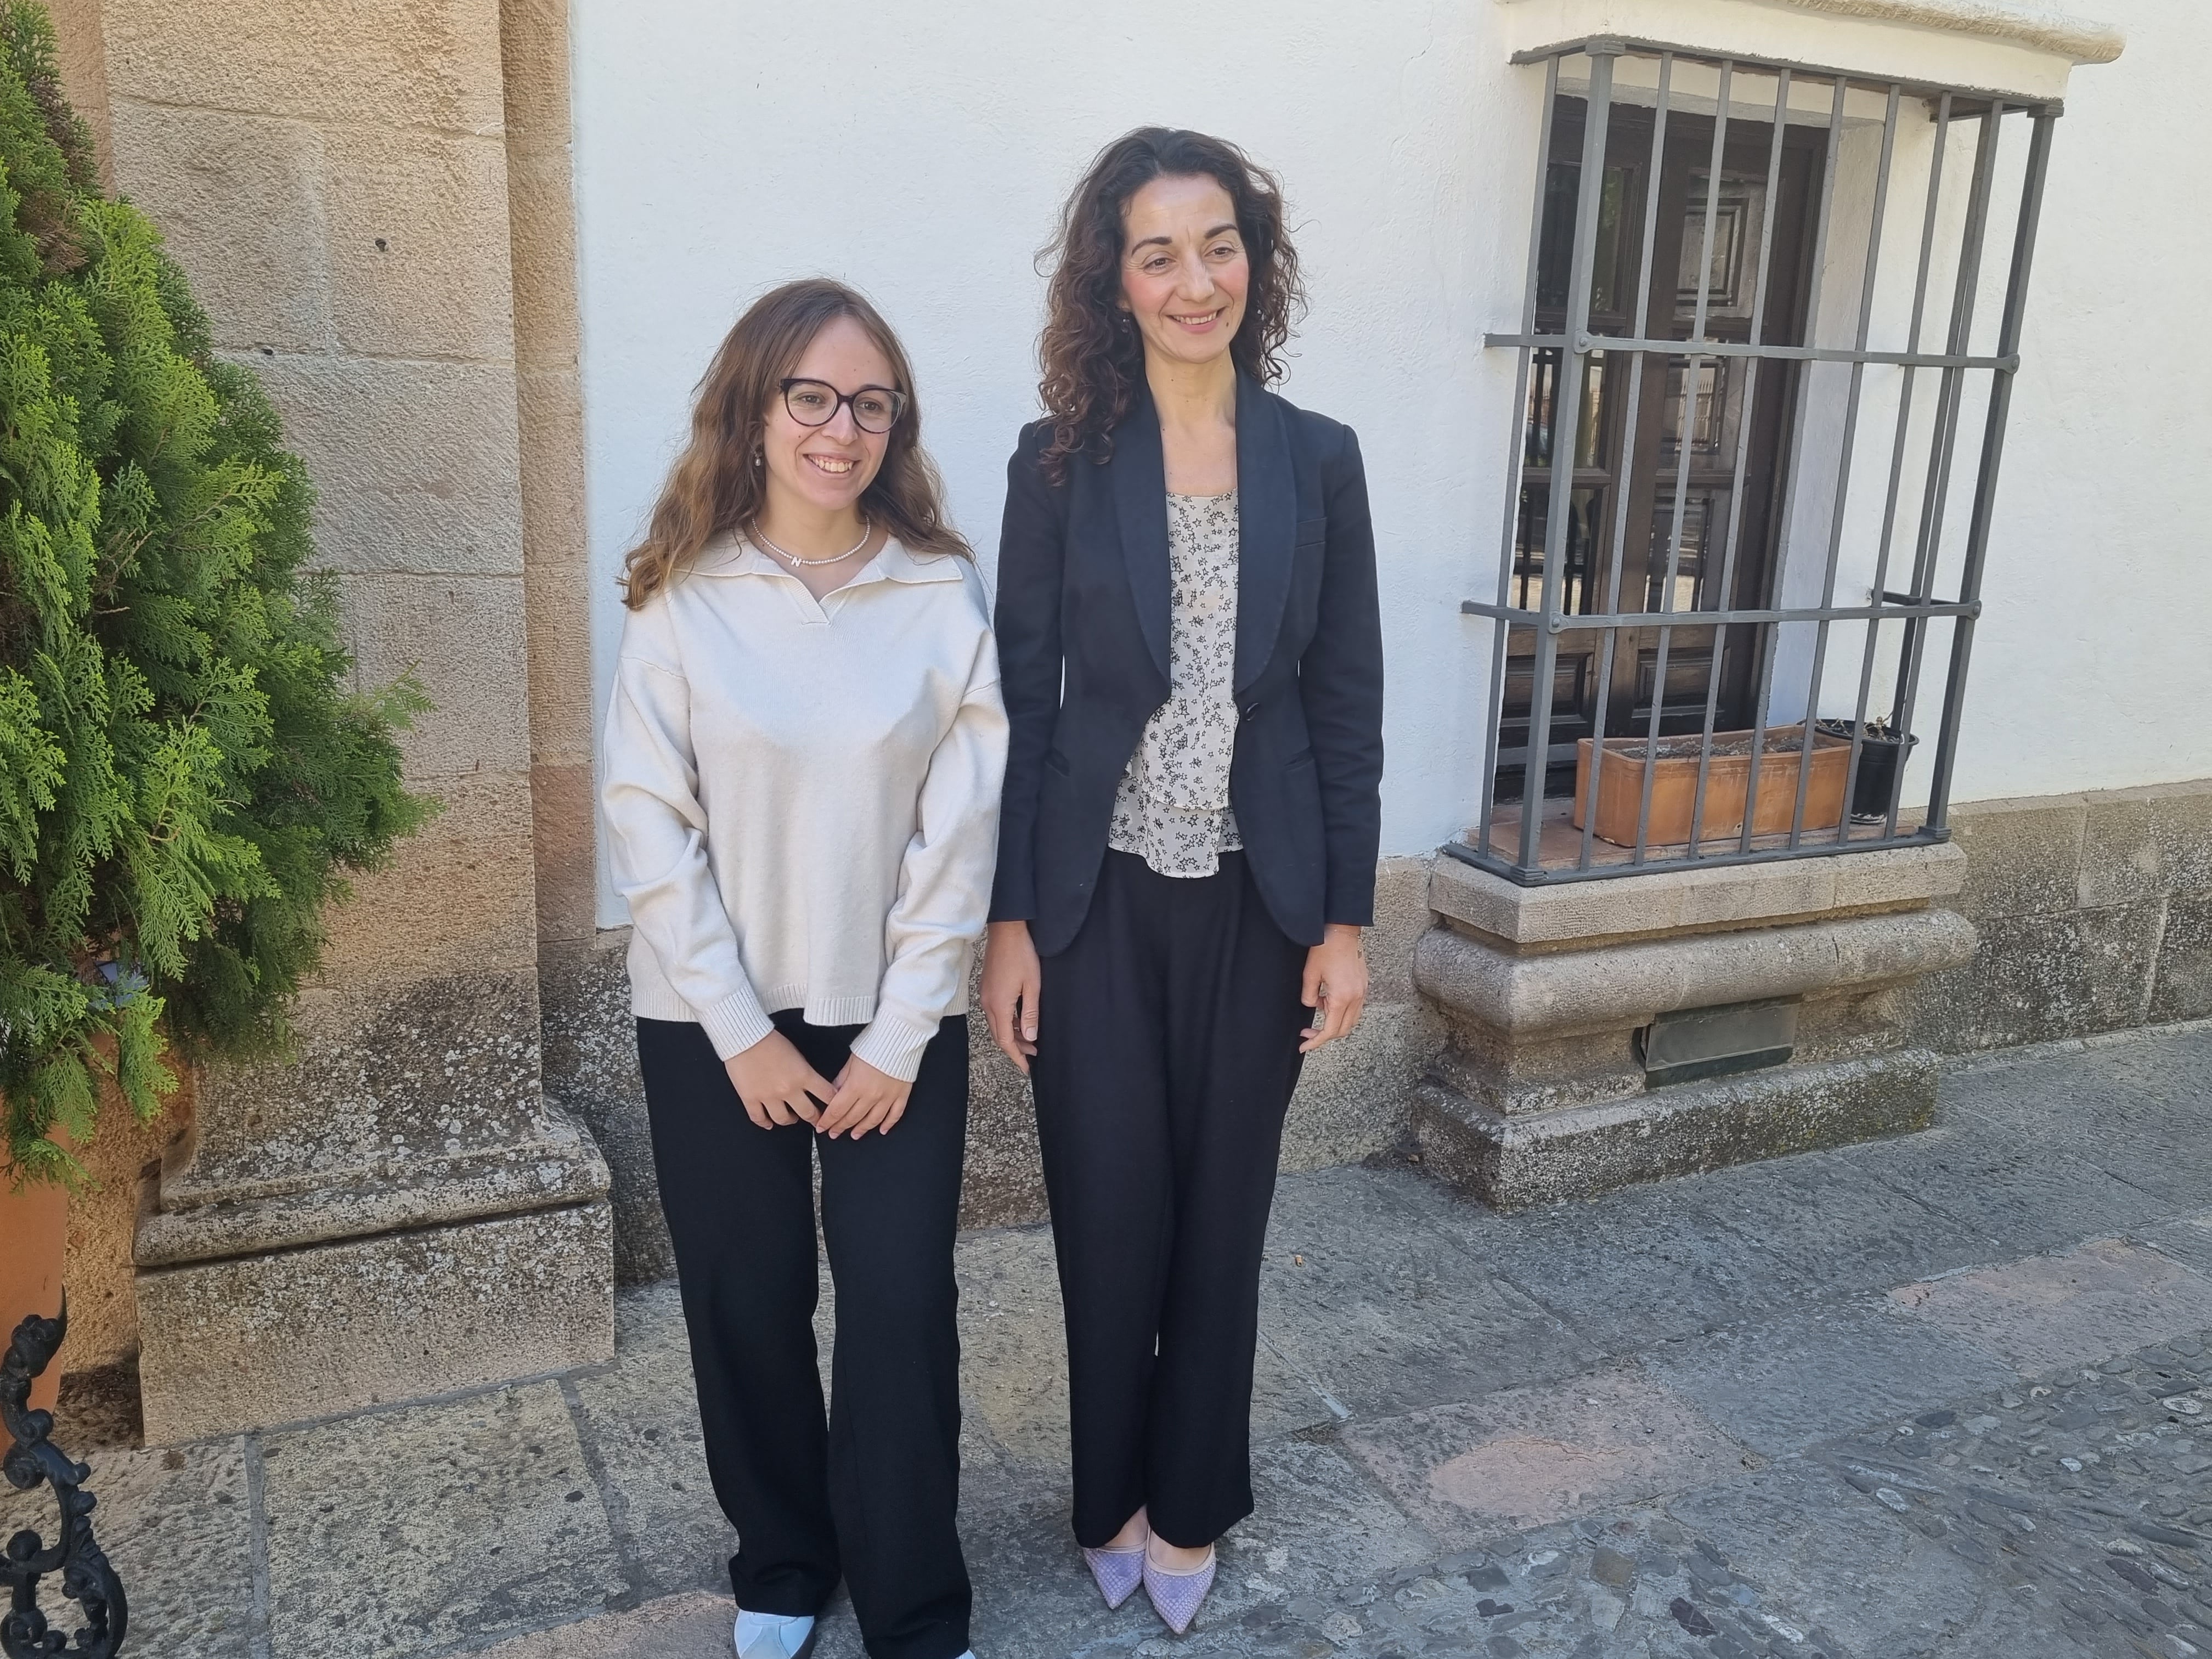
{"x": 802, "y": 798}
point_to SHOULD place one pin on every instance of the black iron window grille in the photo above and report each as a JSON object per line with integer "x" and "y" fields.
{"x": 1733, "y": 543}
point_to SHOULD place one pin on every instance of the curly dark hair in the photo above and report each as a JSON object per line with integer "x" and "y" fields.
{"x": 1092, "y": 359}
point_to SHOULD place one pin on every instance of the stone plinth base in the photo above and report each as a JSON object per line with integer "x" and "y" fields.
{"x": 1578, "y": 1150}
{"x": 1550, "y": 1082}
{"x": 263, "y": 1339}
{"x": 400, "y": 1211}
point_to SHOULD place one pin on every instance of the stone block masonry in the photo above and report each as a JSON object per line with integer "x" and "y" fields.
{"x": 2095, "y": 913}
{"x": 399, "y": 1210}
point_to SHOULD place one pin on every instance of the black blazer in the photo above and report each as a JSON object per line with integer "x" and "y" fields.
{"x": 1083, "y": 621}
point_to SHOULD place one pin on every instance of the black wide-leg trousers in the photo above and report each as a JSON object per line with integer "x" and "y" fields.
{"x": 1167, "y": 1049}
{"x": 871, "y": 1490}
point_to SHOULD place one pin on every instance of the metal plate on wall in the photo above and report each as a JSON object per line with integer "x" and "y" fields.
{"x": 1701, "y": 1043}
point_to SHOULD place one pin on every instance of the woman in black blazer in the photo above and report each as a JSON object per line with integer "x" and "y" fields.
{"x": 1192, "y": 663}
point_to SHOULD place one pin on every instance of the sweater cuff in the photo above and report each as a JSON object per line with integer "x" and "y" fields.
{"x": 893, "y": 1043}
{"x": 734, "y": 1025}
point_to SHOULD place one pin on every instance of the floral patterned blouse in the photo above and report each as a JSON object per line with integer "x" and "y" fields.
{"x": 1172, "y": 809}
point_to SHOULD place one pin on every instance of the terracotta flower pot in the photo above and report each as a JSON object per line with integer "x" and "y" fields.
{"x": 34, "y": 1233}
{"x": 1728, "y": 786}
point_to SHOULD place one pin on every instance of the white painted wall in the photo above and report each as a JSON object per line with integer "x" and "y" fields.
{"x": 2093, "y": 664}
{"x": 722, "y": 145}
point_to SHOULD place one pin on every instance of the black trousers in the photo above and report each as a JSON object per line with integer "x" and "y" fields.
{"x": 872, "y": 1491}
{"x": 1167, "y": 1049}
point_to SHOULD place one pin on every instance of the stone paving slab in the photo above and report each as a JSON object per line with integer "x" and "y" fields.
{"x": 1634, "y": 1267}
{"x": 178, "y": 1523}
{"x": 1385, "y": 1311}
{"x": 1811, "y": 1435}
{"x": 693, "y": 1626}
{"x": 1836, "y": 1226}
{"x": 1318, "y": 1530}
{"x": 409, "y": 1531}
{"x": 648, "y": 1459}
{"x": 2026, "y": 1195}
{"x": 2105, "y": 1297}
{"x": 1781, "y": 1384}
{"x": 1527, "y": 1457}
{"x": 1954, "y": 1534}
{"x": 2188, "y": 1242}
{"x": 2109, "y": 1122}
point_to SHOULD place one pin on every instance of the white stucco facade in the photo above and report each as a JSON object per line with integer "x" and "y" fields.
{"x": 722, "y": 145}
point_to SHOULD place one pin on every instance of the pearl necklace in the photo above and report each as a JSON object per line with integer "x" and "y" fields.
{"x": 794, "y": 560}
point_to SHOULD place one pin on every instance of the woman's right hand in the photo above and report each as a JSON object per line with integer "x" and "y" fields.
{"x": 774, "y": 1080}
{"x": 1011, "y": 974}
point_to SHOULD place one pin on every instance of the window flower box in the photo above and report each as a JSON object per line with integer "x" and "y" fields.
{"x": 1674, "y": 771}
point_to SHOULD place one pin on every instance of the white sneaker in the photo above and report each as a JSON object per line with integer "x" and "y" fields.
{"x": 772, "y": 1636}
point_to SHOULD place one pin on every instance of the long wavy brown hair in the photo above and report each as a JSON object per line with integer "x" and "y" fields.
{"x": 1092, "y": 356}
{"x": 714, "y": 488}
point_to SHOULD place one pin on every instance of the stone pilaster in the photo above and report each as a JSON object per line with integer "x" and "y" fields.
{"x": 400, "y": 1210}
{"x": 1560, "y": 1003}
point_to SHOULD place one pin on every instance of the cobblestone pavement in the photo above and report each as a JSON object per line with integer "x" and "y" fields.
{"x": 1949, "y": 1395}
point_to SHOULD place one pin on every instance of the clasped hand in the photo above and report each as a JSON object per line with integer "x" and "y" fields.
{"x": 778, "y": 1088}
{"x": 1334, "y": 985}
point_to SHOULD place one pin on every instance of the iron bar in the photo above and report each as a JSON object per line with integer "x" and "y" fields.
{"x": 1537, "y": 876}
{"x": 1867, "y": 278}
{"x": 1985, "y": 482}
{"x": 1802, "y": 613}
{"x": 1769, "y": 638}
{"x": 1944, "y": 442}
{"x": 1691, "y": 368}
{"x": 1566, "y": 410}
{"x": 1517, "y": 451}
{"x": 1733, "y": 536}
{"x": 1625, "y": 474}
{"x": 1896, "y": 450}
{"x": 2004, "y": 363}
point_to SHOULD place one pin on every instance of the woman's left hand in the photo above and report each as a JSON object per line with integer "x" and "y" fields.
{"x": 866, "y": 1099}
{"x": 1336, "y": 983}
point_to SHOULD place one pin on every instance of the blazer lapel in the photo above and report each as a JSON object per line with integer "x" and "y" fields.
{"x": 1267, "y": 524}
{"x": 1140, "y": 509}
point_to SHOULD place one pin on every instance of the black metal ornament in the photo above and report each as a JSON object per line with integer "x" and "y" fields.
{"x": 31, "y": 1459}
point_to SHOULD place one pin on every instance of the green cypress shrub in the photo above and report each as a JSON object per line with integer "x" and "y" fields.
{"x": 184, "y": 776}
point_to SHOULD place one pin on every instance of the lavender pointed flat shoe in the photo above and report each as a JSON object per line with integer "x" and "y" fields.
{"x": 1176, "y": 1595}
{"x": 1118, "y": 1573}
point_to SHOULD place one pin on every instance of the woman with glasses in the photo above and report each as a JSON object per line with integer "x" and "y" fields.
{"x": 800, "y": 774}
{"x": 1193, "y": 679}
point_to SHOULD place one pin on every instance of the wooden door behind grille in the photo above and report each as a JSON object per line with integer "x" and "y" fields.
{"x": 1729, "y": 467}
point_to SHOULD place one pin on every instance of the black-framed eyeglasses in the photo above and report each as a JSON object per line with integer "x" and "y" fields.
{"x": 814, "y": 403}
